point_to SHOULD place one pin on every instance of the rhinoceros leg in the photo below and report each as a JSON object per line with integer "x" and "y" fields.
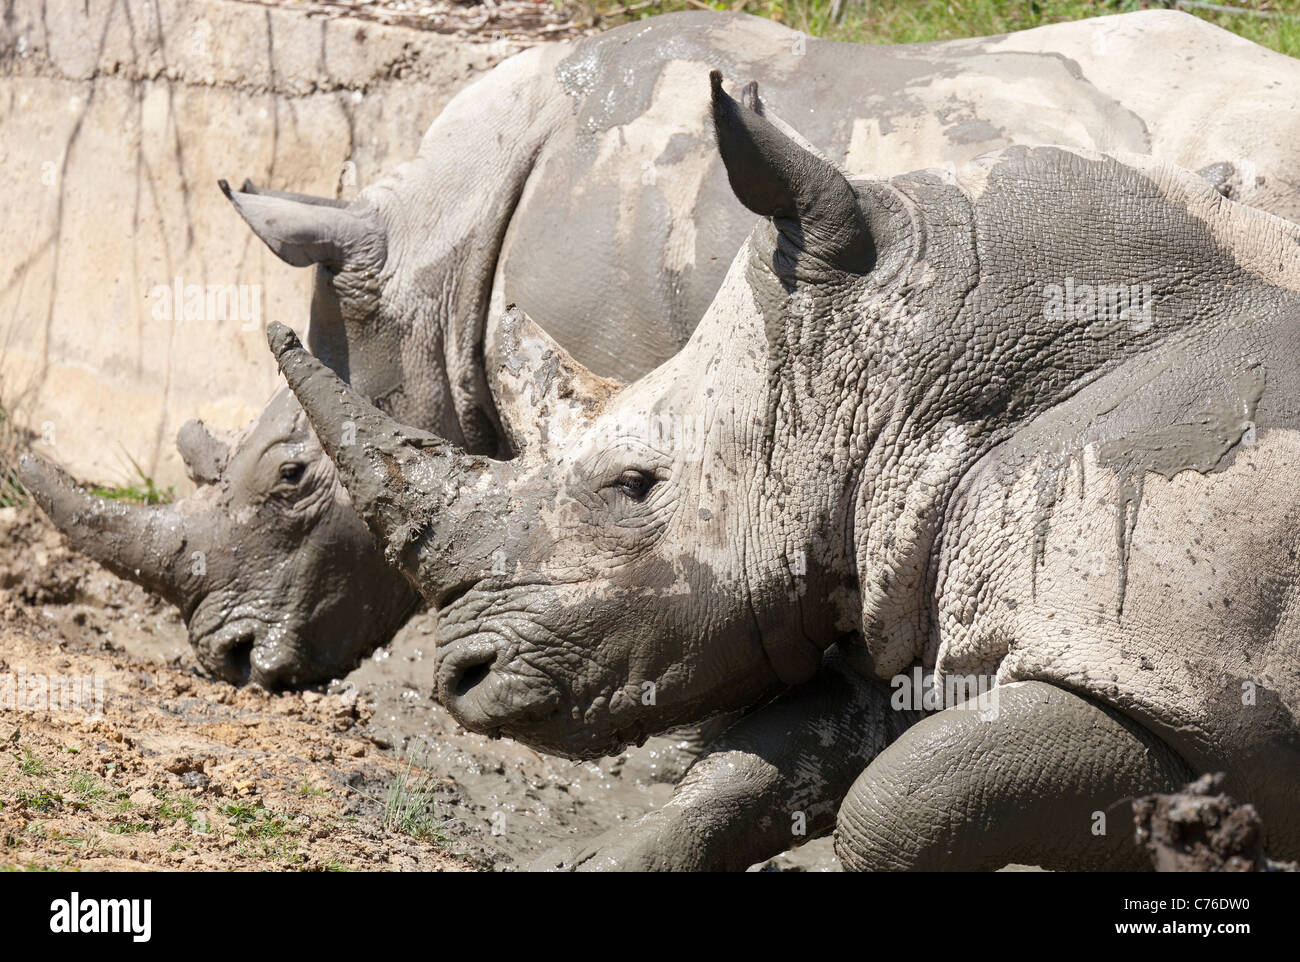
{"x": 1043, "y": 777}
{"x": 778, "y": 772}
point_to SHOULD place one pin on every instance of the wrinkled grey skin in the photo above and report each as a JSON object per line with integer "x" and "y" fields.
{"x": 577, "y": 179}
{"x": 905, "y": 455}
{"x": 252, "y": 559}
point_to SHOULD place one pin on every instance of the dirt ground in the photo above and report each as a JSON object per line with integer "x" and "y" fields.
{"x": 176, "y": 771}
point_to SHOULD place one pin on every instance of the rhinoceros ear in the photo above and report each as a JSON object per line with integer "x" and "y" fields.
{"x": 542, "y": 393}
{"x": 809, "y": 200}
{"x": 302, "y": 232}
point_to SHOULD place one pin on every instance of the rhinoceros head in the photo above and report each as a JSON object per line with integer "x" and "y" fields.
{"x": 277, "y": 578}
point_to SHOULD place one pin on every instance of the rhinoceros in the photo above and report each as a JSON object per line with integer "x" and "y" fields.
{"x": 576, "y": 178}
{"x": 1033, "y": 422}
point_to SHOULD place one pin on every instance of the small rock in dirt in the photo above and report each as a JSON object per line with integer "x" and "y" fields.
{"x": 195, "y": 780}
{"x": 180, "y": 763}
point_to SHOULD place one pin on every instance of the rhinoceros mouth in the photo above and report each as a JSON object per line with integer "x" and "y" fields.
{"x": 247, "y": 651}
{"x": 581, "y": 742}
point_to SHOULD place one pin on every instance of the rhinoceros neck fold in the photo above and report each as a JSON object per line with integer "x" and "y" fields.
{"x": 448, "y": 220}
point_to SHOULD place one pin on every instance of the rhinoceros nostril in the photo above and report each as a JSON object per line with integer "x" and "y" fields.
{"x": 471, "y": 677}
{"x": 239, "y": 660}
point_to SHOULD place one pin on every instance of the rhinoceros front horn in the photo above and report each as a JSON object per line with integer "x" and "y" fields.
{"x": 808, "y": 198}
{"x": 542, "y": 394}
{"x": 399, "y": 478}
{"x": 154, "y": 546}
{"x": 303, "y": 231}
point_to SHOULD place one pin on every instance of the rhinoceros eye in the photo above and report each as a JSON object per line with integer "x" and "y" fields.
{"x": 636, "y": 484}
{"x": 292, "y": 472}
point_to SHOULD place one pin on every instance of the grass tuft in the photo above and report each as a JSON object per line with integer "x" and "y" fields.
{"x": 140, "y": 490}
{"x": 410, "y": 807}
{"x": 14, "y": 440}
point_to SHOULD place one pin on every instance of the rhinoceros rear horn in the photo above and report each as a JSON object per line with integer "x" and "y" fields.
{"x": 154, "y": 546}
{"x": 205, "y": 456}
{"x": 302, "y": 231}
{"x": 542, "y": 393}
{"x": 808, "y": 198}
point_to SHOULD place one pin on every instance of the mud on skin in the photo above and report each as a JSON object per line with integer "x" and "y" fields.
{"x": 873, "y": 437}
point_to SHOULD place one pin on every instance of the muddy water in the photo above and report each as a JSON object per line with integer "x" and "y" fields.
{"x": 500, "y": 801}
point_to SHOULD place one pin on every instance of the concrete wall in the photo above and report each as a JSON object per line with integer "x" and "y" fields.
{"x": 117, "y": 117}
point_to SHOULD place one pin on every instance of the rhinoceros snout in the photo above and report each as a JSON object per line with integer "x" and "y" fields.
{"x": 244, "y": 654}
{"x": 487, "y": 697}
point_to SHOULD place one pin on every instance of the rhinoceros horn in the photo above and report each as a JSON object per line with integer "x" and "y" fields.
{"x": 249, "y": 187}
{"x": 204, "y": 455}
{"x": 541, "y": 392}
{"x": 304, "y": 232}
{"x": 400, "y": 479}
{"x": 153, "y": 545}
{"x": 808, "y": 198}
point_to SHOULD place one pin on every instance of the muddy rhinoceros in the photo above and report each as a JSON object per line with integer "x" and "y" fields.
{"x": 576, "y": 178}
{"x": 1033, "y": 423}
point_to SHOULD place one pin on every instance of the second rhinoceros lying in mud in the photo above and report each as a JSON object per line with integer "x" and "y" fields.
{"x": 578, "y": 179}
{"x": 1033, "y": 421}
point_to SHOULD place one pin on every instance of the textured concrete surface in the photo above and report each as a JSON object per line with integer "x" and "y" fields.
{"x": 117, "y": 117}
